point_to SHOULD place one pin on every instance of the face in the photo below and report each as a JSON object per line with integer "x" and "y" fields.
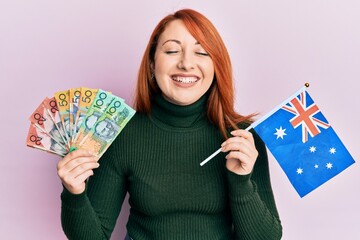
{"x": 182, "y": 68}
{"x": 105, "y": 130}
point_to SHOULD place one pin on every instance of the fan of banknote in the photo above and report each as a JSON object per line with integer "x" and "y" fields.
{"x": 78, "y": 118}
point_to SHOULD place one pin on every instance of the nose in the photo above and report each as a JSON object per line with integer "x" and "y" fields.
{"x": 186, "y": 62}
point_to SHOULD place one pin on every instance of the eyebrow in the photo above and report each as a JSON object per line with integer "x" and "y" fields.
{"x": 176, "y": 41}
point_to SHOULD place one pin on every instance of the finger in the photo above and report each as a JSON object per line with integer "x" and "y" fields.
{"x": 81, "y": 169}
{"x": 69, "y": 174}
{"x": 241, "y": 145}
{"x": 233, "y": 140}
{"x": 74, "y": 154}
{"x": 243, "y": 133}
{"x": 236, "y": 144}
{"x": 239, "y": 167}
{"x": 77, "y": 185}
{"x": 82, "y": 177}
{"x": 78, "y": 162}
{"x": 243, "y": 154}
{"x": 239, "y": 156}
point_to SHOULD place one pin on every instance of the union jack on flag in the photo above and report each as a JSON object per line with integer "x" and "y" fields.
{"x": 304, "y": 116}
{"x": 307, "y": 162}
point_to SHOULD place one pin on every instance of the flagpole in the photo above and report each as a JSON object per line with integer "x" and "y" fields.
{"x": 219, "y": 150}
{"x": 257, "y": 122}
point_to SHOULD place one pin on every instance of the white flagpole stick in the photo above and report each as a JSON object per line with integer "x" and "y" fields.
{"x": 257, "y": 122}
{"x": 219, "y": 150}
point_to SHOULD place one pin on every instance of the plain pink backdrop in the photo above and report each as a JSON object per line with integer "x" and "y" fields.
{"x": 276, "y": 46}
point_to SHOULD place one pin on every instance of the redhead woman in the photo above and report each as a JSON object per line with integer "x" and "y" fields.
{"x": 185, "y": 111}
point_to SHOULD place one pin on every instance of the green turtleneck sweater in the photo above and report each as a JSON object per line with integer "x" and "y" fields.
{"x": 156, "y": 159}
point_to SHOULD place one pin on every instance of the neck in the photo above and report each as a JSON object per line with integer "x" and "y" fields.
{"x": 179, "y": 116}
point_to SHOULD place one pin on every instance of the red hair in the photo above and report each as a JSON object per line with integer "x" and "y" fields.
{"x": 221, "y": 110}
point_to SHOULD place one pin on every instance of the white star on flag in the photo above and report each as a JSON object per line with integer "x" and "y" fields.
{"x": 280, "y": 132}
{"x": 329, "y": 165}
{"x": 312, "y": 149}
{"x": 332, "y": 150}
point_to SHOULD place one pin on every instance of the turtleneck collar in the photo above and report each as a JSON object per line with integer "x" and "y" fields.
{"x": 168, "y": 114}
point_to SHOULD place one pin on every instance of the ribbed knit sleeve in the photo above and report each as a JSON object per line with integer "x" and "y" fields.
{"x": 252, "y": 203}
{"x": 93, "y": 214}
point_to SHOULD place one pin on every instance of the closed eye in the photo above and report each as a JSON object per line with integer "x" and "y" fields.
{"x": 202, "y": 54}
{"x": 171, "y": 52}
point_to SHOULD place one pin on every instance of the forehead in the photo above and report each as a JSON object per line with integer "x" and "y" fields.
{"x": 176, "y": 30}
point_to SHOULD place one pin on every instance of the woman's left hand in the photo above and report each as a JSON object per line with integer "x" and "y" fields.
{"x": 242, "y": 152}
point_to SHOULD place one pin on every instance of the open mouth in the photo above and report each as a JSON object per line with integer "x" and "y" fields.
{"x": 185, "y": 80}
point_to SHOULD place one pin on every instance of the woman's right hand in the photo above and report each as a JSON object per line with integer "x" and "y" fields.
{"x": 75, "y": 168}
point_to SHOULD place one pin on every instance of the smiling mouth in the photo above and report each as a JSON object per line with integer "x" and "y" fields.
{"x": 185, "y": 80}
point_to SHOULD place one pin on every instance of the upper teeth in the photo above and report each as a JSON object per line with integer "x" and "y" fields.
{"x": 184, "y": 79}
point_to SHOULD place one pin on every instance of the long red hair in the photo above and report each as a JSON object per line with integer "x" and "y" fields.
{"x": 221, "y": 110}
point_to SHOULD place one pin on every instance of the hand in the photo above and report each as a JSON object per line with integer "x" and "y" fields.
{"x": 242, "y": 156}
{"x": 75, "y": 168}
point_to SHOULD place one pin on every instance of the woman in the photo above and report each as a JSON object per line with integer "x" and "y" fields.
{"x": 185, "y": 111}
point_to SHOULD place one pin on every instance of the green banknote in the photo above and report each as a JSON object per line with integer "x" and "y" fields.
{"x": 107, "y": 127}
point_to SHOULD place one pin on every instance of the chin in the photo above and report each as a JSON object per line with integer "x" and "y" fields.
{"x": 186, "y": 102}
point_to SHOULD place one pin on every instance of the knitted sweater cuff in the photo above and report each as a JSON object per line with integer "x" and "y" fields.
{"x": 240, "y": 185}
{"x": 74, "y": 201}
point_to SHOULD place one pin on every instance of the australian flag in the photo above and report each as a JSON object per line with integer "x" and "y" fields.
{"x": 303, "y": 142}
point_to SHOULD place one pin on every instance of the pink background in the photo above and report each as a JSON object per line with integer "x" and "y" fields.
{"x": 276, "y": 46}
